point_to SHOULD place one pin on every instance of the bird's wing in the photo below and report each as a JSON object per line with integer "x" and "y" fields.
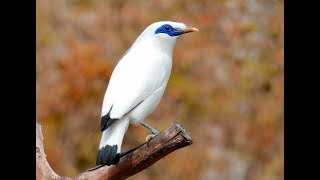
{"x": 133, "y": 80}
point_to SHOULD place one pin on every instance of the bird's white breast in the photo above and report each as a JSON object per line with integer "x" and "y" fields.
{"x": 158, "y": 69}
{"x": 141, "y": 76}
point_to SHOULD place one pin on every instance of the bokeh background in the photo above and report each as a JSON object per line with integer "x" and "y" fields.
{"x": 226, "y": 86}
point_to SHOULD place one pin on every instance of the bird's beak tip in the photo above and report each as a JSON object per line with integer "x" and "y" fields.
{"x": 190, "y": 29}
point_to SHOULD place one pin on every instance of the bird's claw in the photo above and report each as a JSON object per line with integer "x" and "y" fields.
{"x": 149, "y": 137}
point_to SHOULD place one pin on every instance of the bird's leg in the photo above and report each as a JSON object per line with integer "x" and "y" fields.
{"x": 151, "y": 129}
{"x": 154, "y": 132}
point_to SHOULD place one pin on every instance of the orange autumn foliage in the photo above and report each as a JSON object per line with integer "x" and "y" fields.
{"x": 226, "y": 86}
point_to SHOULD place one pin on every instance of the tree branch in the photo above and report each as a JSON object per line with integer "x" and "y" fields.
{"x": 132, "y": 162}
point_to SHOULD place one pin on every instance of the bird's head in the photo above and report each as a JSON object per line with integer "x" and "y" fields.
{"x": 165, "y": 33}
{"x": 171, "y": 29}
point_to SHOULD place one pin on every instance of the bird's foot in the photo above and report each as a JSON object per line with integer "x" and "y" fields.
{"x": 149, "y": 137}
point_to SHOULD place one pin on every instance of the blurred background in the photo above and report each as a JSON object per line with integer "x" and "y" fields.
{"x": 226, "y": 86}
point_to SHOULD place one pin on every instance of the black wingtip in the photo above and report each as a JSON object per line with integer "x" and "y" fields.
{"x": 108, "y": 155}
{"x": 106, "y": 122}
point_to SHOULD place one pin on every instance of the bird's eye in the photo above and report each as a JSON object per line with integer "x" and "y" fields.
{"x": 167, "y": 28}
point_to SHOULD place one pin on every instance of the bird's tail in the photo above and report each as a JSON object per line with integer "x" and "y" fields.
{"x": 111, "y": 141}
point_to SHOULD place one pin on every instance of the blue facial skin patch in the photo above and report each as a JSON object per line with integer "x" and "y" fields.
{"x": 168, "y": 29}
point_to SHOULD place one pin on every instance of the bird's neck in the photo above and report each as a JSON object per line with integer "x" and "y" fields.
{"x": 160, "y": 45}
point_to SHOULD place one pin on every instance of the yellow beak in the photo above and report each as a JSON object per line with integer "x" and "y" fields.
{"x": 190, "y": 29}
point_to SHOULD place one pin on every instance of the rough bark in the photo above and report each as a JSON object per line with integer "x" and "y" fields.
{"x": 132, "y": 162}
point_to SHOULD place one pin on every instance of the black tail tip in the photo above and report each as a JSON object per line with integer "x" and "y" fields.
{"x": 108, "y": 155}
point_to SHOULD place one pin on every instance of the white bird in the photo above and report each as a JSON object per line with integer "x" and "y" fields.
{"x": 137, "y": 85}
